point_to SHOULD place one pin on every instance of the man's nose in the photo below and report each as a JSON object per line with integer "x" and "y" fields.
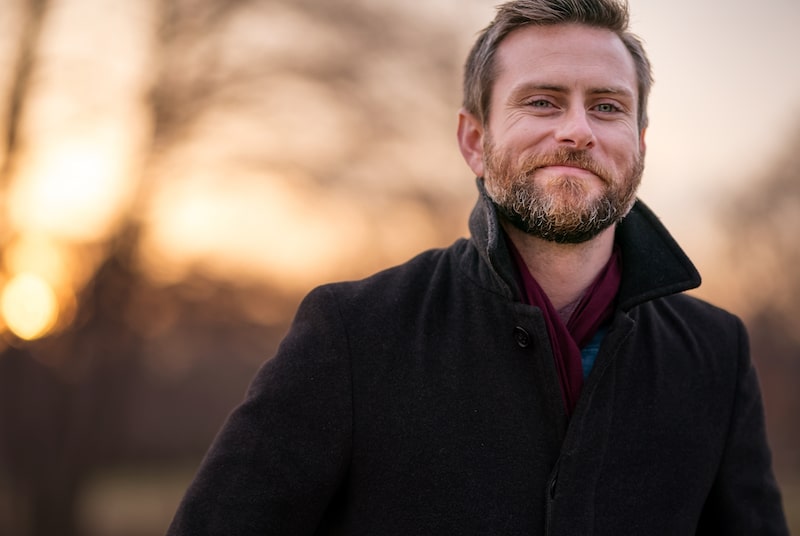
{"x": 574, "y": 130}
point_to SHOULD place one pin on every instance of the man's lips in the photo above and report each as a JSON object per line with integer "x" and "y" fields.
{"x": 567, "y": 169}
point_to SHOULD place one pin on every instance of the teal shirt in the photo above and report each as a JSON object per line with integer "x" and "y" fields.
{"x": 589, "y": 352}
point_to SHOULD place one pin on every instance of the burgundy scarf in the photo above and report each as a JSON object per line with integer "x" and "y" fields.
{"x": 593, "y": 309}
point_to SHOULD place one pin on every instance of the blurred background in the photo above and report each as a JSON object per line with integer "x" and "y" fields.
{"x": 176, "y": 174}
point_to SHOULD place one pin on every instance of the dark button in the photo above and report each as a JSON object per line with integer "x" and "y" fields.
{"x": 522, "y": 337}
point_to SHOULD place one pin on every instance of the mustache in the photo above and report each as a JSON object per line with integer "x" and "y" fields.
{"x": 564, "y": 157}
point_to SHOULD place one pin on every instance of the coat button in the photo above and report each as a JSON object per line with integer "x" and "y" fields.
{"x": 522, "y": 337}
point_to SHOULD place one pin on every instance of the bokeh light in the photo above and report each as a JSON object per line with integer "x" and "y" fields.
{"x": 39, "y": 254}
{"x": 74, "y": 190}
{"x": 29, "y": 306}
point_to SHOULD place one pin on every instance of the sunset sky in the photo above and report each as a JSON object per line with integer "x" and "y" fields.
{"x": 727, "y": 93}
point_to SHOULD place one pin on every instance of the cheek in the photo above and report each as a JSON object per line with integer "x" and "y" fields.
{"x": 521, "y": 130}
{"x": 624, "y": 151}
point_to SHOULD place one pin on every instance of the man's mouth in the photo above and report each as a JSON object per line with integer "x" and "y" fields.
{"x": 570, "y": 169}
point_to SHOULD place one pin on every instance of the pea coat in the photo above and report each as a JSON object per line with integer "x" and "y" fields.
{"x": 424, "y": 400}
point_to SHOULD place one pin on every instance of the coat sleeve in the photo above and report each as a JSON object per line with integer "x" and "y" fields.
{"x": 278, "y": 460}
{"x": 745, "y": 498}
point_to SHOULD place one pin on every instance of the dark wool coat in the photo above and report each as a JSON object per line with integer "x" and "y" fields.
{"x": 425, "y": 400}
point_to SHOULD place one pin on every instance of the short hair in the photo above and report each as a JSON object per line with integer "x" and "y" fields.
{"x": 480, "y": 70}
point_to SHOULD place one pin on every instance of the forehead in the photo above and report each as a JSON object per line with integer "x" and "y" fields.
{"x": 568, "y": 55}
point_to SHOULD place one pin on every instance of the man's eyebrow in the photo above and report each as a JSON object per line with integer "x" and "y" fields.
{"x": 527, "y": 87}
{"x": 621, "y": 91}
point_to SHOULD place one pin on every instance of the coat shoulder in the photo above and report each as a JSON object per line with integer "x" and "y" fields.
{"x": 397, "y": 290}
{"x": 698, "y": 313}
{"x": 416, "y": 278}
{"x": 689, "y": 328}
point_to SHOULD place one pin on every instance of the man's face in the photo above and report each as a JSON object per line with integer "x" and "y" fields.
{"x": 562, "y": 155}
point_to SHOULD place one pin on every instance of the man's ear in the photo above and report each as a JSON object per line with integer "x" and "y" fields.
{"x": 470, "y": 141}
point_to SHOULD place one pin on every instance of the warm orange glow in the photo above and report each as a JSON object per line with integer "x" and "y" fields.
{"x": 280, "y": 228}
{"x": 38, "y": 254}
{"x": 29, "y": 306}
{"x": 74, "y": 190}
{"x": 62, "y": 267}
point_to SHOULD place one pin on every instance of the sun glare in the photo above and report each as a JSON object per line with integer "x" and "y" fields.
{"x": 276, "y": 228}
{"x": 40, "y": 255}
{"x": 29, "y": 306}
{"x": 74, "y": 191}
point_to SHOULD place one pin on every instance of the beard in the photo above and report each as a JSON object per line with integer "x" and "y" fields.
{"x": 564, "y": 209}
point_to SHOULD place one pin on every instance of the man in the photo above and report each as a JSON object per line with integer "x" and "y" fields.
{"x": 545, "y": 376}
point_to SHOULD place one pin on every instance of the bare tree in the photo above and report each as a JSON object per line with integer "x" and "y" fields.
{"x": 33, "y": 13}
{"x": 32, "y": 395}
{"x": 762, "y": 223}
{"x": 65, "y": 401}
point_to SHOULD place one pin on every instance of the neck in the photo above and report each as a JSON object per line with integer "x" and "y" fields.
{"x": 564, "y": 271}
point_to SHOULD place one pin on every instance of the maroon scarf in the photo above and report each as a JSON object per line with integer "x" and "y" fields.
{"x": 593, "y": 309}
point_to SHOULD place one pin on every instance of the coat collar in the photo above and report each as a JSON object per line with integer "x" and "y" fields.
{"x": 653, "y": 264}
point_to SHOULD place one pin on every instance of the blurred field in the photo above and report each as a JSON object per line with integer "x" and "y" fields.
{"x": 791, "y": 501}
{"x": 140, "y": 501}
{"x": 134, "y": 501}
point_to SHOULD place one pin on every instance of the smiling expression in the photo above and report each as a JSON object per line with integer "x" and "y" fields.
{"x": 561, "y": 153}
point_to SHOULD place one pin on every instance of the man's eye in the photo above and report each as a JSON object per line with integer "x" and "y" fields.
{"x": 607, "y": 107}
{"x": 540, "y": 103}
